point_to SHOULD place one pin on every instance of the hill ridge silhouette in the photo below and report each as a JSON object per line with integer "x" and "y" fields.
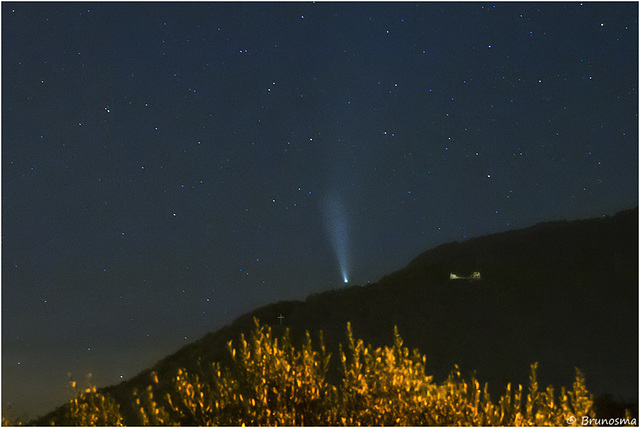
{"x": 563, "y": 293}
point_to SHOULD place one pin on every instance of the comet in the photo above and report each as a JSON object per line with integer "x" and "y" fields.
{"x": 336, "y": 226}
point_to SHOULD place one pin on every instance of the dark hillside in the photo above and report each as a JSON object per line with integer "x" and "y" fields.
{"x": 564, "y": 294}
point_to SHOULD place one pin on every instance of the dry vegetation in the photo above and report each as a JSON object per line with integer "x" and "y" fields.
{"x": 271, "y": 382}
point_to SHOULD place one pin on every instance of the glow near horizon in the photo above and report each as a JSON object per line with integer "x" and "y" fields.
{"x": 336, "y": 223}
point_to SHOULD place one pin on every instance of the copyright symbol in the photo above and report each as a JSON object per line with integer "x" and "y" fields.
{"x": 571, "y": 420}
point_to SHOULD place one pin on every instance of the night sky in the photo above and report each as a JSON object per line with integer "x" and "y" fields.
{"x": 169, "y": 167}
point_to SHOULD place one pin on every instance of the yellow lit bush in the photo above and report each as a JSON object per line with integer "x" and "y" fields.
{"x": 271, "y": 382}
{"x": 389, "y": 387}
{"x": 89, "y": 408}
{"x": 149, "y": 413}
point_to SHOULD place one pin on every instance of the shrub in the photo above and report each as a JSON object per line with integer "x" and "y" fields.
{"x": 389, "y": 387}
{"x": 149, "y": 413}
{"x": 271, "y": 382}
{"x": 89, "y": 408}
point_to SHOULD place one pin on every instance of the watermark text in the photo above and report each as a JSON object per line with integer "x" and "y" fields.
{"x": 587, "y": 421}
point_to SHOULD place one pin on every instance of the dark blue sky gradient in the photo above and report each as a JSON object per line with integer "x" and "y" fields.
{"x": 165, "y": 166}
